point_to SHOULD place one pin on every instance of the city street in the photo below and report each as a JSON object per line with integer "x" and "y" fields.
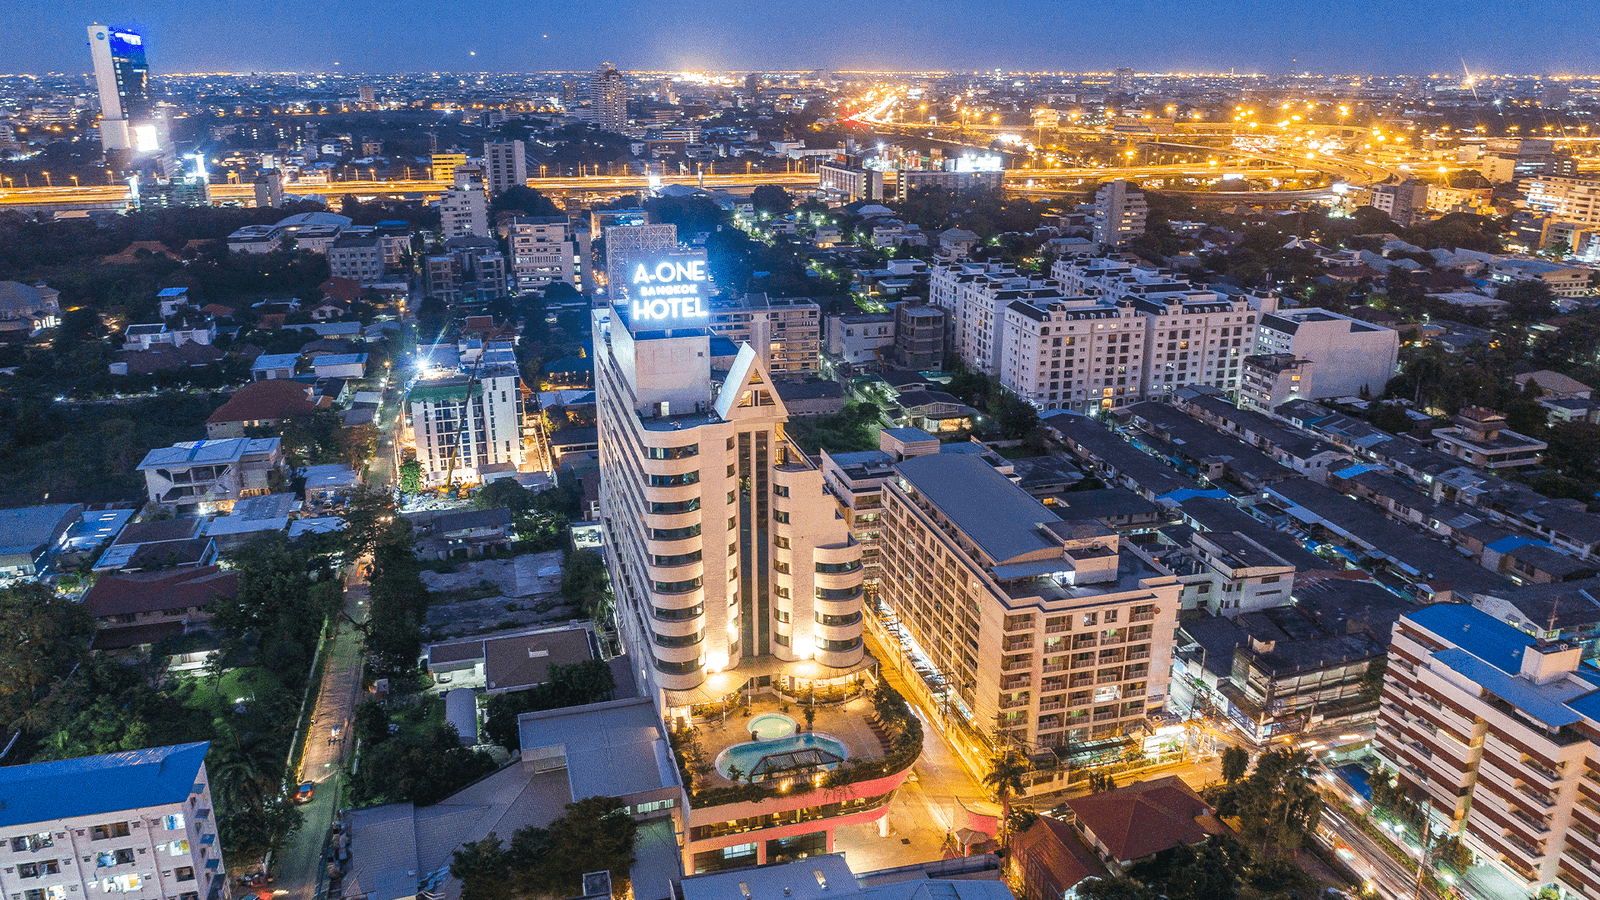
{"x": 327, "y": 740}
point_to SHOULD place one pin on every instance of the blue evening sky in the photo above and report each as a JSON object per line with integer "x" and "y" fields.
{"x": 1357, "y": 36}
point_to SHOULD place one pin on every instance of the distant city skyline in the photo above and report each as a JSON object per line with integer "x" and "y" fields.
{"x": 408, "y": 36}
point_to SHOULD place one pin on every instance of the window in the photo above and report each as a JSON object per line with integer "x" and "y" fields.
{"x": 667, "y": 640}
{"x": 839, "y": 568}
{"x": 780, "y": 517}
{"x": 667, "y": 509}
{"x": 33, "y": 894}
{"x": 683, "y": 452}
{"x": 105, "y": 832}
{"x": 687, "y": 478}
{"x": 674, "y": 534}
{"x": 782, "y": 640}
{"x": 676, "y": 587}
{"x": 838, "y": 593}
{"x": 681, "y": 668}
{"x": 175, "y": 821}
{"x": 178, "y": 848}
{"x": 849, "y": 619}
{"x": 678, "y": 615}
{"x": 782, "y": 616}
{"x": 183, "y": 873}
{"x": 780, "y": 490}
{"x": 1090, "y": 618}
{"x": 839, "y": 646}
{"x": 32, "y": 842}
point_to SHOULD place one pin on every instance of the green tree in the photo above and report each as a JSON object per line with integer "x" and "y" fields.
{"x": 1235, "y": 762}
{"x": 1118, "y": 887}
{"x": 421, "y": 769}
{"x": 46, "y": 635}
{"x": 411, "y": 476}
{"x": 589, "y": 681}
{"x": 371, "y": 722}
{"x": 771, "y": 200}
{"x": 1005, "y": 780}
{"x": 584, "y": 581}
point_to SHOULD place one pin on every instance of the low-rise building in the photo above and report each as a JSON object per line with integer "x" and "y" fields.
{"x": 210, "y": 476}
{"x": 139, "y": 609}
{"x": 140, "y": 824}
{"x": 1480, "y": 437}
{"x": 29, "y": 536}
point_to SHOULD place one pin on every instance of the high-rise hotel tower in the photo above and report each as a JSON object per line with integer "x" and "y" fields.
{"x": 730, "y": 565}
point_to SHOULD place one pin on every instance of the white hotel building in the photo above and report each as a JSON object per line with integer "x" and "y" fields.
{"x": 730, "y": 564}
{"x": 491, "y": 405}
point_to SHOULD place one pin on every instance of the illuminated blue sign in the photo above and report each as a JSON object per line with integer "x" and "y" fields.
{"x": 669, "y": 291}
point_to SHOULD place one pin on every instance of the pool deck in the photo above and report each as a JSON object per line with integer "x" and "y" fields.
{"x": 847, "y": 723}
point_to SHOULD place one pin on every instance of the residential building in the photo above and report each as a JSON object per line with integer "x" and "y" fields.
{"x": 33, "y": 306}
{"x": 255, "y": 239}
{"x": 1081, "y": 624}
{"x": 1405, "y": 202}
{"x": 608, "y": 99}
{"x": 464, "y": 211}
{"x": 260, "y": 404}
{"x": 1133, "y": 823}
{"x": 462, "y": 422}
{"x": 1350, "y": 357}
{"x": 727, "y": 566}
{"x": 1270, "y": 380}
{"x": 828, "y": 876}
{"x": 202, "y": 477}
{"x": 1119, "y": 213}
{"x": 1480, "y": 437}
{"x": 975, "y": 298}
{"x": 547, "y": 249}
{"x": 1499, "y": 733}
{"x": 140, "y": 824}
{"x": 1575, "y": 200}
{"x": 860, "y": 339}
{"x": 1075, "y": 353}
{"x": 919, "y": 338}
{"x": 784, "y": 331}
{"x": 843, "y": 183}
{"x": 1563, "y": 280}
{"x": 505, "y": 165}
{"x": 30, "y": 536}
{"x": 139, "y": 609}
{"x": 358, "y": 257}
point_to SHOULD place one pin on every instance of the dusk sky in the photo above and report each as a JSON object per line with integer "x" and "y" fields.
{"x": 39, "y": 36}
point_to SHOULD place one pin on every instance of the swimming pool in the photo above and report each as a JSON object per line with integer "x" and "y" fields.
{"x": 807, "y": 752}
{"x": 770, "y": 726}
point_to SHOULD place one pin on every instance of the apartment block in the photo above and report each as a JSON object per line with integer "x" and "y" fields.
{"x": 505, "y": 165}
{"x": 1500, "y": 733}
{"x": 464, "y": 211}
{"x": 919, "y": 333}
{"x": 463, "y": 423}
{"x": 139, "y": 824}
{"x": 1072, "y": 353}
{"x": 1120, "y": 211}
{"x": 544, "y": 250}
{"x": 1045, "y": 629}
{"x": 1350, "y": 356}
{"x": 358, "y": 257}
{"x": 786, "y": 332}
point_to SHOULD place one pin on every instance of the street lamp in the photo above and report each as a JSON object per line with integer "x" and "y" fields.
{"x": 47, "y": 179}
{"x": 74, "y": 180}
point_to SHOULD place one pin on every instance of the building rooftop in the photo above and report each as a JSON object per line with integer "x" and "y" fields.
{"x": 612, "y": 749}
{"x": 30, "y": 528}
{"x": 996, "y": 515}
{"x": 1143, "y": 819}
{"x": 125, "y": 593}
{"x": 206, "y": 453}
{"x": 97, "y": 785}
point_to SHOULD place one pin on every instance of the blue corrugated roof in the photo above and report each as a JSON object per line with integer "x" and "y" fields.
{"x": 1512, "y": 542}
{"x": 1358, "y": 469}
{"x": 1476, "y": 632}
{"x": 93, "y": 785}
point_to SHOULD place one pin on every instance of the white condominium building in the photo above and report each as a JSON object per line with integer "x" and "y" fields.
{"x": 785, "y": 331}
{"x": 462, "y": 424}
{"x": 1048, "y": 631}
{"x": 1119, "y": 213}
{"x": 139, "y": 824}
{"x": 505, "y": 165}
{"x": 1350, "y": 356}
{"x": 730, "y": 564}
{"x": 544, "y": 250}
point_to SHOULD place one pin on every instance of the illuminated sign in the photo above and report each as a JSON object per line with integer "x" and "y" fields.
{"x": 128, "y": 37}
{"x": 669, "y": 290}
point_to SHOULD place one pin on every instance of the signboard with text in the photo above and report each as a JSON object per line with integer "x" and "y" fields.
{"x": 668, "y": 291}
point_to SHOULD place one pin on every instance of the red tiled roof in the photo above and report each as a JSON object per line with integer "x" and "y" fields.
{"x": 136, "y": 592}
{"x": 1142, "y": 819}
{"x": 274, "y": 398}
{"x": 342, "y": 290}
{"x": 1053, "y": 857}
{"x": 135, "y": 635}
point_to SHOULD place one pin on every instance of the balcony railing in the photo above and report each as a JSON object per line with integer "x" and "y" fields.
{"x": 1056, "y": 629}
{"x": 1142, "y": 617}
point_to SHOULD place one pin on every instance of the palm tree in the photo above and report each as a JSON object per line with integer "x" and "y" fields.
{"x": 1006, "y": 769}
